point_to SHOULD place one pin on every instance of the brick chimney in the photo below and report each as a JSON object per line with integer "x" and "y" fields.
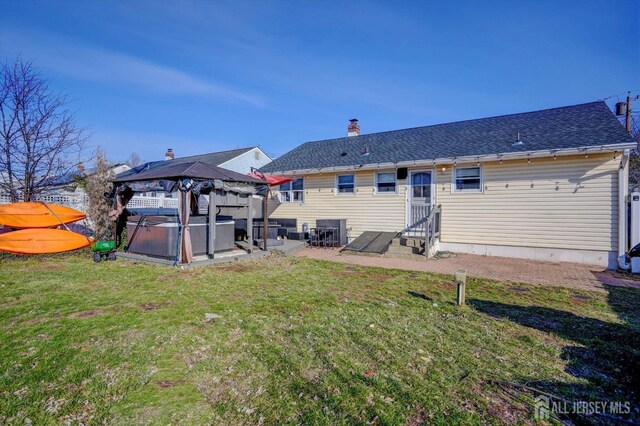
{"x": 169, "y": 155}
{"x": 354, "y": 128}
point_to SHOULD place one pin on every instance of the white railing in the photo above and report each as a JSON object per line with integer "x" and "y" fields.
{"x": 418, "y": 218}
{"x": 76, "y": 200}
{"x": 294, "y": 196}
{"x": 425, "y": 227}
{"x": 4, "y": 199}
{"x": 140, "y": 201}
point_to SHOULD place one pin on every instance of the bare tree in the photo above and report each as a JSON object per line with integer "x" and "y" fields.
{"x": 97, "y": 184}
{"x": 133, "y": 160}
{"x": 39, "y": 140}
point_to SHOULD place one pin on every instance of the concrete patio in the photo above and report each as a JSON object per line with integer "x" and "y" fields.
{"x": 573, "y": 275}
{"x": 239, "y": 253}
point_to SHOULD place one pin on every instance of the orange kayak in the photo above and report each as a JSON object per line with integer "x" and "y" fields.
{"x": 37, "y": 215}
{"x": 40, "y": 241}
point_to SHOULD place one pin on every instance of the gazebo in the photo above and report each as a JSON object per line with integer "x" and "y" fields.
{"x": 224, "y": 188}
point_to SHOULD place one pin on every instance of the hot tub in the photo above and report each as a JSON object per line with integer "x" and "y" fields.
{"x": 157, "y": 235}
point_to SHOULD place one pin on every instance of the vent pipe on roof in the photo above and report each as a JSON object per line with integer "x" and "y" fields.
{"x": 169, "y": 155}
{"x": 518, "y": 142}
{"x": 354, "y": 128}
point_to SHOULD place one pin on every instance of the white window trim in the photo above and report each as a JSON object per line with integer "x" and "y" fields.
{"x": 467, "y": 191}
{"x": 355, "y": 185}
{"x": 291, "y": 191}
{"x": 375, "y": 186}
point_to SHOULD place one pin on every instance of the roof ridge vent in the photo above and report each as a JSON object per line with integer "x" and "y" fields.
{"x": 518, "y": 142}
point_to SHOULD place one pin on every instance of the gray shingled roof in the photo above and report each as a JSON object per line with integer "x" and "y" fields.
{"x": 212, "y": 158}
{"x": 590, "y": 124}
{"x": 192, "y": 169}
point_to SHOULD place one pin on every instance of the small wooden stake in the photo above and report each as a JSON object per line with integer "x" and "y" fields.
{"x": 461, "y": 281}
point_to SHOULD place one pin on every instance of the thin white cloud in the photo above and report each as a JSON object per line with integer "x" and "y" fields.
{"x": 151, "y": 145}
{"x": 100, "y": 65}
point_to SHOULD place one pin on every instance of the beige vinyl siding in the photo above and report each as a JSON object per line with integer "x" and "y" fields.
{"x": 568, "y": 203}
{"x": 364, "y": 211}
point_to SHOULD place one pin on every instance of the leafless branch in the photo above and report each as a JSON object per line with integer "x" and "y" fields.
{"x": 39, "y": 139}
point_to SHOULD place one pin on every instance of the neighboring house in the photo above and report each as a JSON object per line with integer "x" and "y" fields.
{"x": 240, "y": 160}
{"x": 546, "y": 185}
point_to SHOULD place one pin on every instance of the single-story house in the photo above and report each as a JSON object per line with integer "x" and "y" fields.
{"x": 547, "y": 185}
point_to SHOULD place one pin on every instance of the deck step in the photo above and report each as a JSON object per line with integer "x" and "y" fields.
{"x": 393, "y": 250}
{"x": 408, "y": 242}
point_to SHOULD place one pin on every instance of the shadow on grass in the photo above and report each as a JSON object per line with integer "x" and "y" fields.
{"x": 420, "y": 296}
{"x": 606, "y": 354}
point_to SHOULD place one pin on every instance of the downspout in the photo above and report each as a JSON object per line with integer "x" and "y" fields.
{"x": 623, "y": 190}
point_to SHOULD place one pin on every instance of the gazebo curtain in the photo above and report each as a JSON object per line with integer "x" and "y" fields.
{"x": 184, "y": 201}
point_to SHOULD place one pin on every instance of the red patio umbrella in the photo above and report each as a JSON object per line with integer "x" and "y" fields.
{"x": 271, "y": 181}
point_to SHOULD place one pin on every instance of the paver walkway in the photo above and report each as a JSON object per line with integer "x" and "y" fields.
{"x": 574, "y": 275}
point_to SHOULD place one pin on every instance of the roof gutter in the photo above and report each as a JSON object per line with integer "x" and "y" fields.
{"x": 623, "y": 190}
{"x": 465, "y": 159}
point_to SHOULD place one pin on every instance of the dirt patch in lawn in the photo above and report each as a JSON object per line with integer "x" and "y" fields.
{"x": 509, "y": 411}
{"x": 86, "y": 314}
{"x": 153, "y": 306}
{"x": 379, "y": 277}
{"x": 233, "y": 267}
{"x": 519, "y": 289}
{"x": 218, "y": 390}
{"x": 238, "y": 266}
{"x": 36, "y": 320}
{"x": 419, "y": 417}
{"x": 623, "y": 275}
{"x": 47, "y": 266}
{"x": 370, "y": 277}
{"x": 617, "y": 279}
{"x": 580, "y": 299}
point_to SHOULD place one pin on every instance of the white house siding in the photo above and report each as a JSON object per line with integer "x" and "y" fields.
{"x": 559, "y": 205}
{"x": 364, "y": 211}
{"x": 243, "y": 162}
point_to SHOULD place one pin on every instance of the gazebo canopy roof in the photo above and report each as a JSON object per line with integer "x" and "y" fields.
{"x": 191, "y": 170}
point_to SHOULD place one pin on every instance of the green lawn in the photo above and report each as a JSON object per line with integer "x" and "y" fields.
{"x": 300, "y": 342}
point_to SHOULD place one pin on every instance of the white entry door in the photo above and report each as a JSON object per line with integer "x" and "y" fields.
{"x": 421, "y": 193}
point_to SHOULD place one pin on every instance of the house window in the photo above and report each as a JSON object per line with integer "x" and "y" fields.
{"x": 346, "y": 184}
{"x": 468, "y": 179}
{"x": 421, "y": 184}
{"x": 386, "y": 182}
{"x": 292, "y": 192}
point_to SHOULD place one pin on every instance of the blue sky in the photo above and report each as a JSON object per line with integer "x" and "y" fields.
{"x": 201, "y": 76}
